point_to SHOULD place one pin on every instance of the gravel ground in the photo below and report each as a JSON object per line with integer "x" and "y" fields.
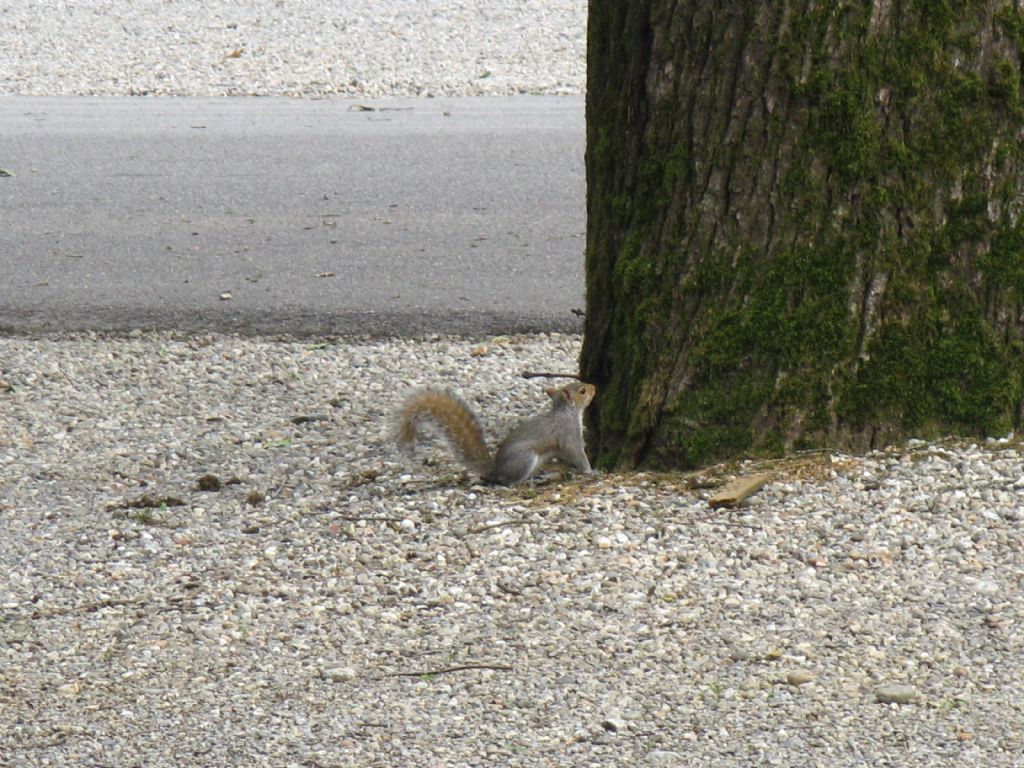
{"x": 359, "y": 48}
{"x": 332, "y": 604}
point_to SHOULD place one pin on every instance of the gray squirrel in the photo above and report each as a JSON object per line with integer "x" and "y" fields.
{"x": 557, "y": 433}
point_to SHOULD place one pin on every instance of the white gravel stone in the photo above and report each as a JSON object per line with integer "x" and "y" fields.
{"x": 799, "y": 677}
{"x": 896, "y": 693}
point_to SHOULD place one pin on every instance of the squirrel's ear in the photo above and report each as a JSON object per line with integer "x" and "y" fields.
{"x": 556, "y": 394}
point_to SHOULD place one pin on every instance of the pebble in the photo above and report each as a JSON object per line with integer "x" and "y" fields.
{"x": 896, "y": 693}
{"x": 613, "y": 724}
{"x": 340, "y": 674}
{"x": 799, "y": 677}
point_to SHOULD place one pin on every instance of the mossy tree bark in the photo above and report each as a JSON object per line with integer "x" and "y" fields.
{"x": 804, "y": 224}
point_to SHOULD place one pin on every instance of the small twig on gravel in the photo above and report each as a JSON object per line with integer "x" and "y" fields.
{"x": 499, "y": 524}
{"x": 89, "y": 607}
{"x": 446, "y": 670}
{"x": 147, "y": 502}
{"x": 368, "y": 519}
{"x": 362, "y": 478}
{"x": 717, "y": 516}
{"x": 549, "y": 375}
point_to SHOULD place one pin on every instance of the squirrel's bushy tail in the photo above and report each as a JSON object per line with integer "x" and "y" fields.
{"x": 456, "y": 421}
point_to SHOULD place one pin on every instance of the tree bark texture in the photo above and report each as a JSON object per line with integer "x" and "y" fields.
{"x": 804, "y": 225}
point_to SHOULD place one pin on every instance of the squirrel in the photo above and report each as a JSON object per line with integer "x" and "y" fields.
{"x": 558, "y": 433}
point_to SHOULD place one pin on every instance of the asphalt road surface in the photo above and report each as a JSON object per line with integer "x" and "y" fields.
{"x": 391, "y": 217}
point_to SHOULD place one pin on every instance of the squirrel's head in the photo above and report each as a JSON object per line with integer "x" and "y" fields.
{"x": 577, "y": 395}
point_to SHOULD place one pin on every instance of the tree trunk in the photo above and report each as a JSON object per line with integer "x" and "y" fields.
{"x": 804, "y": 225}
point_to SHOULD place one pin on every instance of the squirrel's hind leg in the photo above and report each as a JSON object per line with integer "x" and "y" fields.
{"x": 511, "y": 467}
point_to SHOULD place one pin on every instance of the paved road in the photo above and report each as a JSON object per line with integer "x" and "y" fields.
{"x": 291, "y": 216}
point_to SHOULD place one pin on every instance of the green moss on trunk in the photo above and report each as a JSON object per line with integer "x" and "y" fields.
{"x": 803, "y": 225}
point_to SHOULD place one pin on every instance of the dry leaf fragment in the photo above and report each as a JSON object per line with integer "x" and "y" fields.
{"x": 736, "y": 492}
